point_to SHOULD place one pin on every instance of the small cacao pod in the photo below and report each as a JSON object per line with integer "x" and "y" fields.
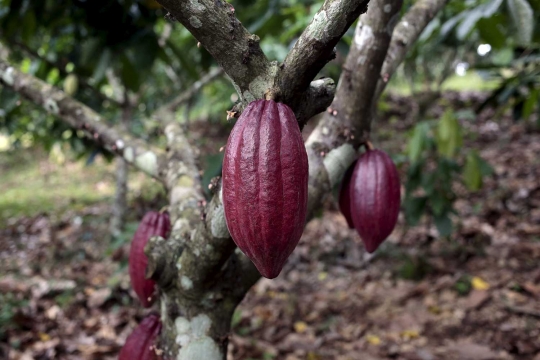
{"x": 375, "y": 197}
{"x": 139, "y": 344}
{"x": 265, "y": 184}
{"x": 152, "y": 224}
{"x": 345, "y": 197}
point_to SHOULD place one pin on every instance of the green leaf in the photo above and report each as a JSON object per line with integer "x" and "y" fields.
{"x": 128, "y": 74}
{"x": 414, "y": 208}
{"x": 489, "y": 9}
{"x": 445, "y": 127}
{"x": 522, "y": 16}
{"x": 503, "y": 57}
{"x": 89, "y": 48}
{"x": 144, "y": 51}
{"x": 468, "y": 23}
{"x": 429, "y": 30}
{"x": 102, "y": 65}
{"x": 491, "y": 31}
{"x": 472, "y": 174}
{"x": 485, "y": 169}
{"x": 414, "y": 176}
{"x": 28, "y": 26}
{"x": 448, "y": 136}
{"x": 185, "y": 61}
{"x": 417, "y": 142}
{"x": 213, "y": 168}
{"x": 538, "y": 115}
{"x": 439, "y": 203}
{"x": 8, "y": 99}
{"x": 474, "y": 15}
{"x": 451, "y": 23}
{"x": 530, "y": 102}
{"x": 443, "y": 224}
{"x": 71, "y": 84}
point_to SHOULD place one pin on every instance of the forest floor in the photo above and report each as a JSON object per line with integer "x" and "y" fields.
{"x": 64, "y": 287}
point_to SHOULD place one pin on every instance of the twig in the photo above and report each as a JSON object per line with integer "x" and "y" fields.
{"x": 192, "y": 91}
{"x": 522, "y": 310}
{"x": 79, "y": 116}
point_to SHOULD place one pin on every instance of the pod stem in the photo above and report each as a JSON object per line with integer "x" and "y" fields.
{"x": 163, "y": 209}
{"x": 369, "y": 145}
{"x": 269, "y": 94}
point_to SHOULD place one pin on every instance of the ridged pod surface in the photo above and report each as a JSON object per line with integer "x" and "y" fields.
{"x": 375, "y": 198}
{"x": 139, "y": 343}
{"x": 344, "y": 195}
{"x": 265, "y": 184}
{"x": 152, "y": 224}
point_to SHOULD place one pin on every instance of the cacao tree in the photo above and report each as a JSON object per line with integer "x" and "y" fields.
{"x": 200, "y": 274}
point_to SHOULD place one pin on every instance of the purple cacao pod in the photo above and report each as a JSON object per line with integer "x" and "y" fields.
{"x": 265, "y": 184}
{"x": 152, "y": 224}
{"x": 345, "y": 197}
{"x": 375, "y": 198}
{"x": 139, "y": 344}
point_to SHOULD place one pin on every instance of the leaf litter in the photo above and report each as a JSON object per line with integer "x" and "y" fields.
{"x": 65, "y": 295}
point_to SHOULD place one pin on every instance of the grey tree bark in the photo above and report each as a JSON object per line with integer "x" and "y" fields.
{"x": 119, "y": 208}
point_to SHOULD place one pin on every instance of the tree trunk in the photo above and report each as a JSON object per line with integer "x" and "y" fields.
{"x": 120, "y": 198}
{"x": 119, "y": 209}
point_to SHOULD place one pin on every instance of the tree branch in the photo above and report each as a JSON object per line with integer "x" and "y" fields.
{"x": 61, "y": 69}
{"x": 315, "y": 100}
{"x": 354, "y": 97}
{"x": 215, "y": 26}
{"x": 315, "y": 48}
{"x": 192, "y": 91}
{"x": 79, "y": 116}
{"x": 405, "y": 35}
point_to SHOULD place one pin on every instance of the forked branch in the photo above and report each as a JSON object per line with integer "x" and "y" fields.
{"x": 315, "y": 48}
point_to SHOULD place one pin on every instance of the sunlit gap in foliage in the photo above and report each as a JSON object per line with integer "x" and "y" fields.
{"x": 483, "y": 49}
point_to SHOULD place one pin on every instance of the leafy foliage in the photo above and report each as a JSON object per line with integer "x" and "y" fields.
{"x": 437, "y": 161}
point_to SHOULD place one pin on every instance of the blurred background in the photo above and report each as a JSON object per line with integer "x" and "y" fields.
{"x": 458, "y": 279}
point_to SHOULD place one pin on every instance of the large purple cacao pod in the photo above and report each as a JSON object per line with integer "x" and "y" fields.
{"x": 375, "y": 198}
{"x": 139, "y": 344}
{"x": 344, "y": 195}
{"x": 152, "y": 224}
{"x": 265, "y": 184}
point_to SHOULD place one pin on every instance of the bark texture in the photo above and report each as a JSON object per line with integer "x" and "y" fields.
{"x": 119, "y": 207}
{"x": 353, "y": 103}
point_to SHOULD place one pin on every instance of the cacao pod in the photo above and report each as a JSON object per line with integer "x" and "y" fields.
{"x": 265, "y": 184}
{"x": 345, "y": 197}
{"x": 139, "y": 344}
{"x": 375, "y": 197}
{"x": 152, "y": 224}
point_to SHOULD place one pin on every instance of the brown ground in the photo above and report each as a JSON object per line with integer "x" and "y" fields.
{"x": 64, "y": 288}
